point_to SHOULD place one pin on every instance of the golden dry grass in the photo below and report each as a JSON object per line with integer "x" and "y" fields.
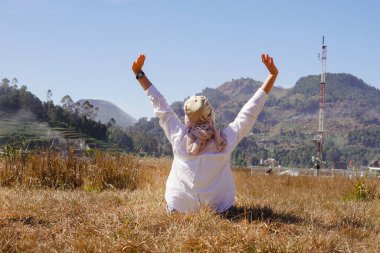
{"x": 272, "y": 214}
{"x": 67, "y": 170}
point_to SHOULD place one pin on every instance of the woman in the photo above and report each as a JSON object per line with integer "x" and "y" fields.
{"x": 201, "y": 171}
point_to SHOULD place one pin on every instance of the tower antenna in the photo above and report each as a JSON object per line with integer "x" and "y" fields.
{"x": 322, "y": 91}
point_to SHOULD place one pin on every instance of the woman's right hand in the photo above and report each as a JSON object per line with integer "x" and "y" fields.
{"x": 138, "y": 64}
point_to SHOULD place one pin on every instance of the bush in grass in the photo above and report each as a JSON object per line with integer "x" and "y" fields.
{"x": 361, "y": 190}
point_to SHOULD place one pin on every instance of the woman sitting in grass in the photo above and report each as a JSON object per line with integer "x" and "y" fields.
{"x": 201, "y": 170}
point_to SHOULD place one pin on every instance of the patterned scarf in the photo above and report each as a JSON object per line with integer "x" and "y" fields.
{"x": 204, "y": 137}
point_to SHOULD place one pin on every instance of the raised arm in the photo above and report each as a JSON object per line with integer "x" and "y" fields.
{"x": 140, "y": 75}
{"x": 168, "y": 119}
{"x": 247, "y": 116}
{"x": 273, "y": 72}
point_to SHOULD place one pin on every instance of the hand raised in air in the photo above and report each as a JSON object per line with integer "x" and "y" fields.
{"x": 138, "y": 64}
{"x": 269, "y": 63}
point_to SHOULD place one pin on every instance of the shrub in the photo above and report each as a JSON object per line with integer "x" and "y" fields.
{"x": 361, "y": 190}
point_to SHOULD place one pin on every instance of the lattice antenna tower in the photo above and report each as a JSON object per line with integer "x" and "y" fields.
{"x": 322, "y": 91}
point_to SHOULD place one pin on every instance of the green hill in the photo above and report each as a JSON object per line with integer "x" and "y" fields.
{"x": 289, "y": 121}
{"x": 26, "y": 121}
{"x": 285, "y": 128}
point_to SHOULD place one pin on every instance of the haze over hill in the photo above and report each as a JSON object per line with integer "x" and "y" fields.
{"x": 108, "y": 110}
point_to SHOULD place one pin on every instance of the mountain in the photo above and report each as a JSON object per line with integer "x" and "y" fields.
{"x": 289, "y": 121}
{"x": 108, "y": 110}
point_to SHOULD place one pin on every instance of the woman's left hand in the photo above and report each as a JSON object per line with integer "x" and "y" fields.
{"x": 269, "y": 63}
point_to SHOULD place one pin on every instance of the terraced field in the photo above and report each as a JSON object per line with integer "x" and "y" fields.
{"x": 31, "y": 131}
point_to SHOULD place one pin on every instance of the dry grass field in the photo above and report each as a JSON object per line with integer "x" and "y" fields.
{"x": 55, "y": 203}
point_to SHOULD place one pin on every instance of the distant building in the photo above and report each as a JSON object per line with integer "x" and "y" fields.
{"x": 374, "y": 163}
{"x": 340, "y": 165}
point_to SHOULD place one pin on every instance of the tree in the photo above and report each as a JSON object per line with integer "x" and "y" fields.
{"x": 5, "y": 85}
{"x": 5, "y": 82}
{"x": 67, "y": 103}
{"x": 111, "y": 123}
{"x": 89, "y": 110}
{"x": 49, "y": 95}
{"x": 14, "y": 83}
{"x": 119, "y": 136}
{"x": 145, "y": 143}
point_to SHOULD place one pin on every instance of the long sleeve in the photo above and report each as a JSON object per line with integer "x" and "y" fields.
{"x": 246, "y": 118}
{"x": 168, "y": 119}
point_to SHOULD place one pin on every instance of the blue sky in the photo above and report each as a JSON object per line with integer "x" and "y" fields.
{"x": 85, "y": 48}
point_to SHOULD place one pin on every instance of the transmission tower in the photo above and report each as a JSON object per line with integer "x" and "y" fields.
{"x": 319, "y": 137}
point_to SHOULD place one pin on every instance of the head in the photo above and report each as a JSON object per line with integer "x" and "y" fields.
{"x": 198, "y": 110}
{"x": 202, "y": 136}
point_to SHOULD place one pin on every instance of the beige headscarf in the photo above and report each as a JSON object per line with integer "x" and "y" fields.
{"x": 202, "y": 135}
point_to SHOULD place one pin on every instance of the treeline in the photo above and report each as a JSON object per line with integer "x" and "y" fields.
{"x": 145, "y": 137}
{"x": 369, "y": 137}
{"x": 340, "y": 87}
{"x": 14, "y": 99}
{"x": 250, "y": 153}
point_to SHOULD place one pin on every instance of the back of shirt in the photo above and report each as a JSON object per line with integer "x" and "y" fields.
{"x": 204, "y": 179}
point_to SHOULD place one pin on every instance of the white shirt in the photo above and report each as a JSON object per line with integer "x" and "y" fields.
{"x": 205, "y": 179}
